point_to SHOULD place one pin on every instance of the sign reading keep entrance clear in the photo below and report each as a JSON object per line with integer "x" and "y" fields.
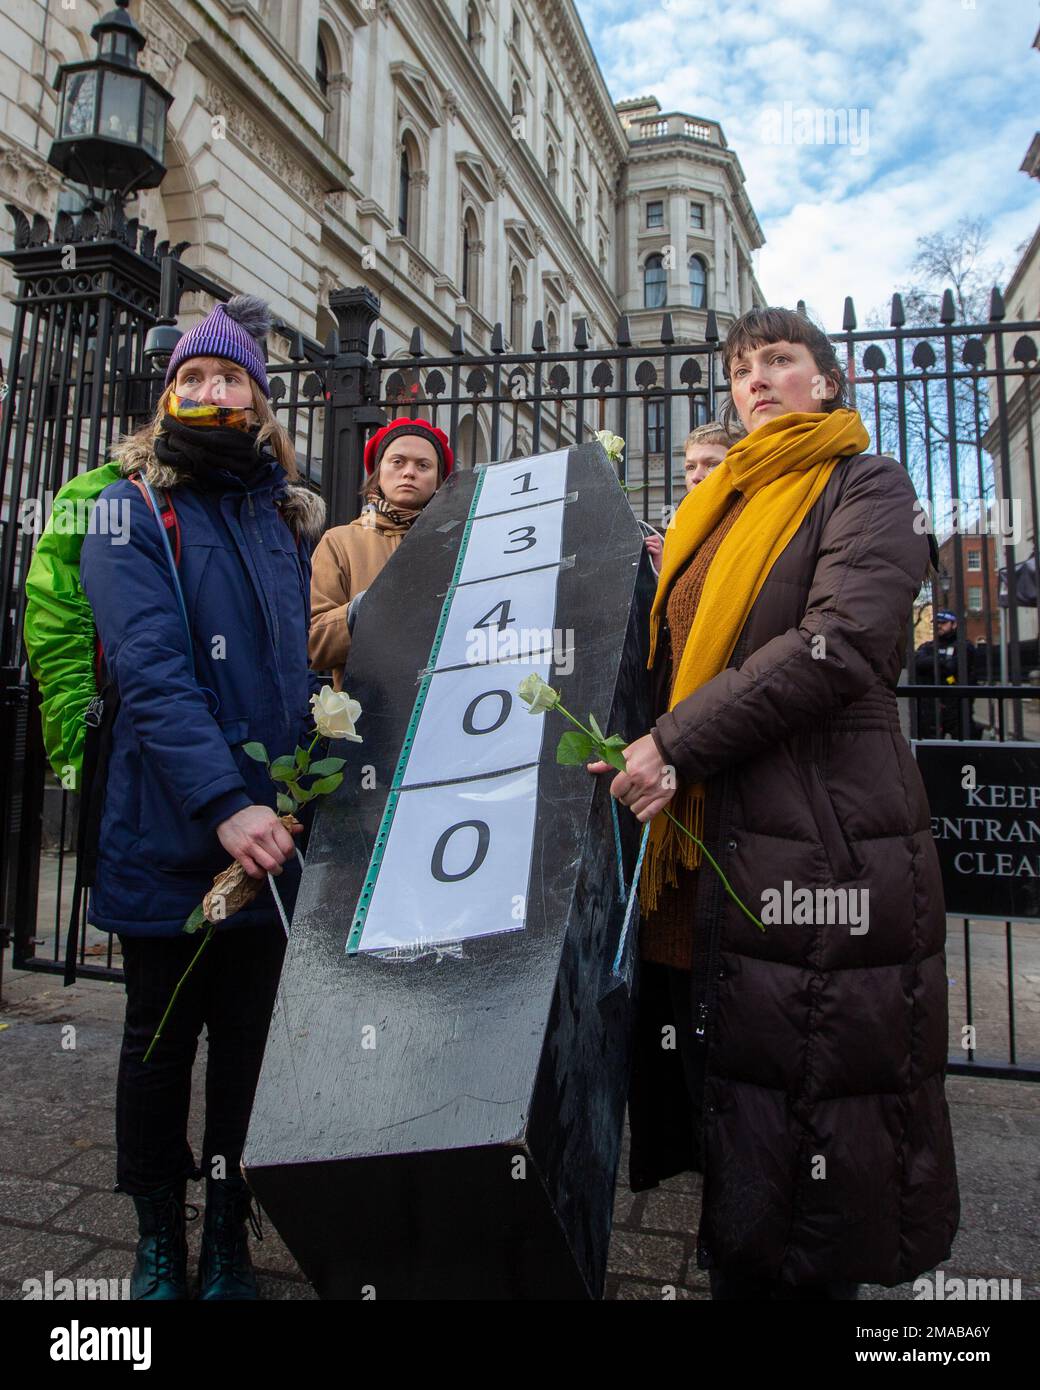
{"x": 985, "y": 804}
{"x": 453, "y": 854}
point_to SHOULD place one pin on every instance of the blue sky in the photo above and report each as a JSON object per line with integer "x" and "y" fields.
{"x": 941, "y": 96}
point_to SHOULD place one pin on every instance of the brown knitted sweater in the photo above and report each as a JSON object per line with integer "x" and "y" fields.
{"x": 665, "y": 935}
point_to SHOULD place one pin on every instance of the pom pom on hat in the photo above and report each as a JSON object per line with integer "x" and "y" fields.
{"x": 234, "y": 331}
{"x": 251, "y": 313}
{"x": 382, "y": 439}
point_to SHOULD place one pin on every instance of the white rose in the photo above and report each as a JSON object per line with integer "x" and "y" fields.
{"x": 335, "y": 714}
{"x": 613, "y": 444}
{"x": 539, "y": 696}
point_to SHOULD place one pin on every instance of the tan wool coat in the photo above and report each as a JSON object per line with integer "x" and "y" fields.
{"x": 345, "y": 562}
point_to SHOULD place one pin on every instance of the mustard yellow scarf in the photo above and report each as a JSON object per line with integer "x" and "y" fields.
{"x": 781, "y": 468}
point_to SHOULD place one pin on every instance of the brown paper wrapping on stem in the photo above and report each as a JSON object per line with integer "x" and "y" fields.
{"x": 233, "y": 888}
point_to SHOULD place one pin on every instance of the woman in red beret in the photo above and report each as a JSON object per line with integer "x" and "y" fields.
{"x": 406, "y": 462}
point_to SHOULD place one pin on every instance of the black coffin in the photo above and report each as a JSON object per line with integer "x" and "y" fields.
{"x": 445, "y": 1122}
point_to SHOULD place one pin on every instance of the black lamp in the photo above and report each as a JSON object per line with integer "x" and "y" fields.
{"x": 111, "y": 132}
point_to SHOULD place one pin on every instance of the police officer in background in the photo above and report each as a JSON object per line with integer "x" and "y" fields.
{"x": 935, "y": 663}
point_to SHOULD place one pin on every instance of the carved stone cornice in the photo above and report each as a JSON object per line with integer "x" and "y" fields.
{"x": 168, "y": 39}
{"x": 419, "y": 91}
{"x": 476, "y": 173}
{"x": 519, "y": 238}
{"x": 565, "y": 42}
{"x": 264, "y": 147}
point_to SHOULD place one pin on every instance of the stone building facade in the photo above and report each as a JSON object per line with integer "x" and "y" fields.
{"x": 1022, "y": 407}
{"x": 461, "y": 158}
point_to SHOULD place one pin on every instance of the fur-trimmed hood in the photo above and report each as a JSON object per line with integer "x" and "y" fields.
{"x": 304, "y": 510}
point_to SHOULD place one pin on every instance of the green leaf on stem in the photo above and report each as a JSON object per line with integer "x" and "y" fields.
{"x": 302, "y": 758}
{"x": 283, "y": 769}
{"x": 325, "y": 785}
{"x": 324, "y": 766}
{"x": 615, "y": 741}
{"x": 611, "y": 754}
{"x": 595, "y": 728}
{"x": 574, "y": 748}
{"x": 286, "y": 805}
{"x": 195, "y": 921}
{"x": 256, "y": 751}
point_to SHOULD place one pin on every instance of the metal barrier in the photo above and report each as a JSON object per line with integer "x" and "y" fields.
{"x": 86, "y": 365}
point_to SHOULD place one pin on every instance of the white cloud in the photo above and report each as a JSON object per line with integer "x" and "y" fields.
{"x": 947, "y": 94}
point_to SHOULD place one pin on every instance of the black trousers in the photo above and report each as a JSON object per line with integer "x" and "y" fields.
{"x": 231, "y": 991}
{"x": 729, "y": 1284}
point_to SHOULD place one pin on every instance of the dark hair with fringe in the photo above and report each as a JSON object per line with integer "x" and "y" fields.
{"x": 760, "y": 327}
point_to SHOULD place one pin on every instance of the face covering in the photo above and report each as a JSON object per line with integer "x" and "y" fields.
{"x": 208, "y": 453}
{"x": 190, "y": 412}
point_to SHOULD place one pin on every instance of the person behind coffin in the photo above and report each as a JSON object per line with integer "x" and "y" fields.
{"x": 805, "y": 1076}
{"x": 705, "y": 447}
{"x": 202, "y": 620}
{"x": 406, "y": 462}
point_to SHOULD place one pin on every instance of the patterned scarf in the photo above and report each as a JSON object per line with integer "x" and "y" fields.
{"x": 400, "y": 516}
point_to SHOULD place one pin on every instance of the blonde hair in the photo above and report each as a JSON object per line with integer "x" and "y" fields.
{"x": 270, "y": 430}
{"x": 715, "y": 433}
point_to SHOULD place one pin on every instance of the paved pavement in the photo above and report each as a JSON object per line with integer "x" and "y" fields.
{"x": 57, "y": 1168}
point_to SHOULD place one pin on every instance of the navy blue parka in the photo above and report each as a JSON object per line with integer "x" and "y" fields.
{"x": 177, "y": 768}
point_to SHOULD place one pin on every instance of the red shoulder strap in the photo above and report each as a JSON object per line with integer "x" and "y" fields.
{"x": 169, "y": 519}
{"x": 167, "y": 515}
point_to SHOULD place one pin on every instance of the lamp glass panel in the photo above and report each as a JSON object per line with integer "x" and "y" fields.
{"x": 120, "y": 107}
{"x": 153, "y": 123}
{"x": 80, "y": 101}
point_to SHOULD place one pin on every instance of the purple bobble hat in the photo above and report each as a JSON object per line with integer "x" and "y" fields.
{"x": 234, "y": 330}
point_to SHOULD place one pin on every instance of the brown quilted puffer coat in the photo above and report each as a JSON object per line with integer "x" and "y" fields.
{"x": 825, "y": 1129}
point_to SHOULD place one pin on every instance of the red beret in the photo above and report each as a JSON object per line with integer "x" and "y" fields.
{"x": 382, "y": 439}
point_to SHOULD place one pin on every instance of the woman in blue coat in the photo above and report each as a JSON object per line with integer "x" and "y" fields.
{"x": 182, "y": 798}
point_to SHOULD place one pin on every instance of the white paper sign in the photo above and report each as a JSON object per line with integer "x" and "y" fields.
{"x": 500, "y": 618}
{"x": 456, "y": 863}
{"x": 513, "y": 541}
{"x": 521, "y": 482}
{"x": 457, "y": 855}
{"x": 473, "y": 721}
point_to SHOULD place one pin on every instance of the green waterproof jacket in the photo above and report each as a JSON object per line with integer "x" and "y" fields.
{"x": 59, "y": 623}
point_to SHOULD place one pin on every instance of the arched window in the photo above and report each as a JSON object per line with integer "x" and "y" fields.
{"x": 516, "y": 308}
{"x": 552, "y": 332}
{"x": 404, "y": 183}
{"x": 550, "y": 168}
{"x": 698, "y": 283}
{"x": 321, "y": 70}
{"x": 472, "y": 26}
{"x": 655, "y": 282}
{"x": 577, "y": 154}
{"x": 518, "y": 100}
{"x": 655, "y": 426}
{"x": 333, "y": 82}
{"x": 579, "y": 216}
{"x": 470, "y": 237}
{"x": 601, "y": 257}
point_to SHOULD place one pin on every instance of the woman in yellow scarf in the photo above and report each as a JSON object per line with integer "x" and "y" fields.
{"x": 805, "y": 1076}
